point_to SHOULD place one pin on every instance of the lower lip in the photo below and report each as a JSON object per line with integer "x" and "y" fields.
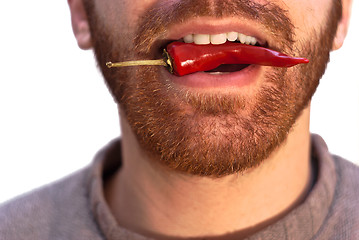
{"x": 242, "y": 78}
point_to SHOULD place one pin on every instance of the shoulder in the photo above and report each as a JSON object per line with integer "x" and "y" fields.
{"x": 348, "y": 180}
{"x": 347, "y": 189}
{"x": 343, "y": 216}
{"x": 56, "y": 211}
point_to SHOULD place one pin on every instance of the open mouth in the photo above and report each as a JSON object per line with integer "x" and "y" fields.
{"x": 217, "y": 39}
{"x": 215, "y": 54}
{"x": 208, "y": 40}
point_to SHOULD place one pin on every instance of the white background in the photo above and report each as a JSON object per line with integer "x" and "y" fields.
{"x": 55, "y": 110}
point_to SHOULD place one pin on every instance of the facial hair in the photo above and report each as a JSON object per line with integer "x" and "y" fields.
{"x": 213, "y": 134}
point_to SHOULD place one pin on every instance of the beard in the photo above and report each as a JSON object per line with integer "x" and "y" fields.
{"x": 210, "y": 134}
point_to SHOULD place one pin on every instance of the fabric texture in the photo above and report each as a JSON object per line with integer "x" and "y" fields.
{"x": 74, "y": 208}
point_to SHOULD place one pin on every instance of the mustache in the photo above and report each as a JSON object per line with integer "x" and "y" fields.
{"x": 165, "y": 13}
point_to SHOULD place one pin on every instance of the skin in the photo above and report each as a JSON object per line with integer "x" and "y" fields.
{"x": 148, "y": 198}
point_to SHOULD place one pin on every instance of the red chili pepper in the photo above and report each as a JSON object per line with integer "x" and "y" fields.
{"x": 186, "y": 58}
{"x": 189, "y": 58}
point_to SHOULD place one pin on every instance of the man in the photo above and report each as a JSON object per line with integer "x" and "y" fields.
{"x": 222, "y": 154}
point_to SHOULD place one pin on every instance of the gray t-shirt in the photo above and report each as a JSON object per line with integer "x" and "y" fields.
{"x": 74, "y": 208}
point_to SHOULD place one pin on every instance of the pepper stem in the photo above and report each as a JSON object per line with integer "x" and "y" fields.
{"x": 166, "y": 62}
{"x": 158, "y": 62}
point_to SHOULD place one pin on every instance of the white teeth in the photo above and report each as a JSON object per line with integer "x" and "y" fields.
{"x": 217, "y": 73}
{"x": 248, "y": 40}
{"x": 253, "y": 41}
{"x": 242, "y": 38}
{"x": 201, "y": 39}
{"x": 232, "y": 36}
{"x": 219, "y": 38}
{"x": 188, "y": 38}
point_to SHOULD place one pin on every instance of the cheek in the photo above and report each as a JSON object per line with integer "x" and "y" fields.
{"x": 121, "y": 16}
{"x": 307, "y": 15}
{"x": 122, "y": 11}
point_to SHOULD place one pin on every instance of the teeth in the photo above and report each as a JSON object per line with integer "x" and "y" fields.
{"x": 232, "y": 36}
{"x": 201, "y": 39}
{"x": 217, "y": 73}
{"x": 248, "y": 40}
{"x": 188, "y": 38}
{"x": 242, "y": 38}
{"x": 221, "y": 38}
{"x": 253, "y": 41}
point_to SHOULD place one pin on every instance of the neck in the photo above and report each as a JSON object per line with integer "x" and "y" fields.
{"x": 150, "y": 200}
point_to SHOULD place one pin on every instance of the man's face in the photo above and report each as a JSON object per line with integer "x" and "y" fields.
{"x": 212, "y": 124}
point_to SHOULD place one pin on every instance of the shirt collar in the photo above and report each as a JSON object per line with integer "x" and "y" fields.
{"x": 303, "y": 222}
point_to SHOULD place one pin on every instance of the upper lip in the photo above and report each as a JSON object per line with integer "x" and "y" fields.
{"x": 207, "y": 25}
{"x": 215, "y": 26}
